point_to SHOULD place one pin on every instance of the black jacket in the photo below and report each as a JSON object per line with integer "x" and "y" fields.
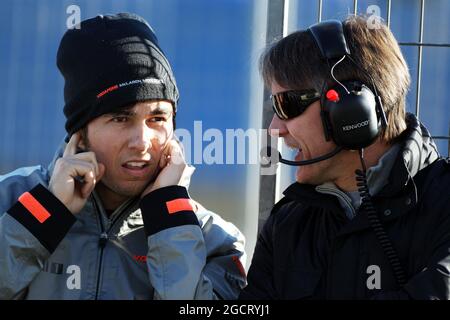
{"x": 309, "y": 249}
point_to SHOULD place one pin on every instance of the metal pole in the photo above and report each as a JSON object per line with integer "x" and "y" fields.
{"x": 355, "y": 7}
{"x": 419, "y": 60}
{"x": 389, "y": 13}
{"x": 319, "y": 14}
{"x": 267, "y": 185}
{"x": 421, "y": 44}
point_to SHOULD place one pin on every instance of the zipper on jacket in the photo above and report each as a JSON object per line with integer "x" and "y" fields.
{"x": 103, "y": 240}
{"x": 104, "y": 237}
{"x": 120, "y": 215}
{"x": 102, "y": 243}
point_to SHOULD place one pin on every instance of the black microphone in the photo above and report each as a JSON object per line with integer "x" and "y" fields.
{"x": 274, "y": 160}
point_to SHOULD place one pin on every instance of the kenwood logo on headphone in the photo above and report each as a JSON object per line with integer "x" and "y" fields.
{"x": 356, "y": 125}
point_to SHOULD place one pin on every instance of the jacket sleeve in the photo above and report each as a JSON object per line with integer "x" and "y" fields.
{"x": 30, "y": 231}
{"x": 433, "y": 281}
{"x": 191, "y": 255}
{"x": 260, "y": 275}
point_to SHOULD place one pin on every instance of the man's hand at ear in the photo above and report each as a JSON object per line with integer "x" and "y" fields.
{"x": 174, "y": 169}
{"x": 75, "y": 176}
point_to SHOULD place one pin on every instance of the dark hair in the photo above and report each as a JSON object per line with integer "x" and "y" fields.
{"x": 295, "y": 62}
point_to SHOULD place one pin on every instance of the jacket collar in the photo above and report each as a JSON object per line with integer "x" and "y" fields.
{"x": 307, "y": 194}
{"x": 417, "y": 151}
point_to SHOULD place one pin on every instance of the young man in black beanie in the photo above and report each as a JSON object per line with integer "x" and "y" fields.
{"x": 111, "y": 217}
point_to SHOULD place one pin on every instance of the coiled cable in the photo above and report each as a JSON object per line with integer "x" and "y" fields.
{"x": 374, "y": 221}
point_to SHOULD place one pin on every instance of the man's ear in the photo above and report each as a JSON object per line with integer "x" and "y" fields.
{"x": 82, "y": 143}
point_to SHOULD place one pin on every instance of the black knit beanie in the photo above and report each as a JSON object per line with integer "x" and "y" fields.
{"x": 111, "y": 62}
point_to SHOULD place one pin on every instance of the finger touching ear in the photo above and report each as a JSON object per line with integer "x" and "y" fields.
{"x": 71, "y": 146}
{"x": 165, "y": 154}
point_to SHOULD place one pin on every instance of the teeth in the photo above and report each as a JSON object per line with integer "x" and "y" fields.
{"x": 291, "y": 147}
{"x": 135, "y": 164}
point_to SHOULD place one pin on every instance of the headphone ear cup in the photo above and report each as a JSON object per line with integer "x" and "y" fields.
{"x": 353, "y": 116}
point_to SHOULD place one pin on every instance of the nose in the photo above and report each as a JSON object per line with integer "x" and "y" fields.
{"x": 141, "y": 138}
{"x": 277, "y": 127}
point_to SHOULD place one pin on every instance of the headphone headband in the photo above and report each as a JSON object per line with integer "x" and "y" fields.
{"x": 329, "y": 36}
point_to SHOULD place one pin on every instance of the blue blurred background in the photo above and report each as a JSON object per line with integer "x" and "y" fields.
{"x": 213, "y": 47}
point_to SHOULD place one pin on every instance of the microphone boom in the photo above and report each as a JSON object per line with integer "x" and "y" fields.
{"x": 271, "y": 159}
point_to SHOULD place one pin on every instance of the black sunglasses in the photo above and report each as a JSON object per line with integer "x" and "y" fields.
{"x": 290, "y": 104}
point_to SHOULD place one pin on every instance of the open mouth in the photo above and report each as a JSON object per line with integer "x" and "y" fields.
{"x": 299, "y": 155}
{"x": 137, "y": 169}
{"x": 135, "y": 165}
{"x": 291, "y": 147}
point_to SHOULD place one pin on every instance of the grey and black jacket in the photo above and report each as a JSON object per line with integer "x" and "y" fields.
{"x": 316, "y": 245}
{"x": 154, "y": 248}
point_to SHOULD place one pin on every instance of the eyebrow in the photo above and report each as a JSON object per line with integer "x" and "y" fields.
{"x": 130, "y": 113}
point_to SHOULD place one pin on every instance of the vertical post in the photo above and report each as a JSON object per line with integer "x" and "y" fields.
{"x": 419, "y": 60}
{"x": 283, "y": 173}
{"x": 275, "y": 17}
{"x": 389, "y": 13}
{"x": 355, "y": 7}
{"x": 319, "y": 14}
{"x": 448, "y": 153}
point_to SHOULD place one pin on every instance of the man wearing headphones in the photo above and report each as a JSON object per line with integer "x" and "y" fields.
{"x": 369, "y": 214}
